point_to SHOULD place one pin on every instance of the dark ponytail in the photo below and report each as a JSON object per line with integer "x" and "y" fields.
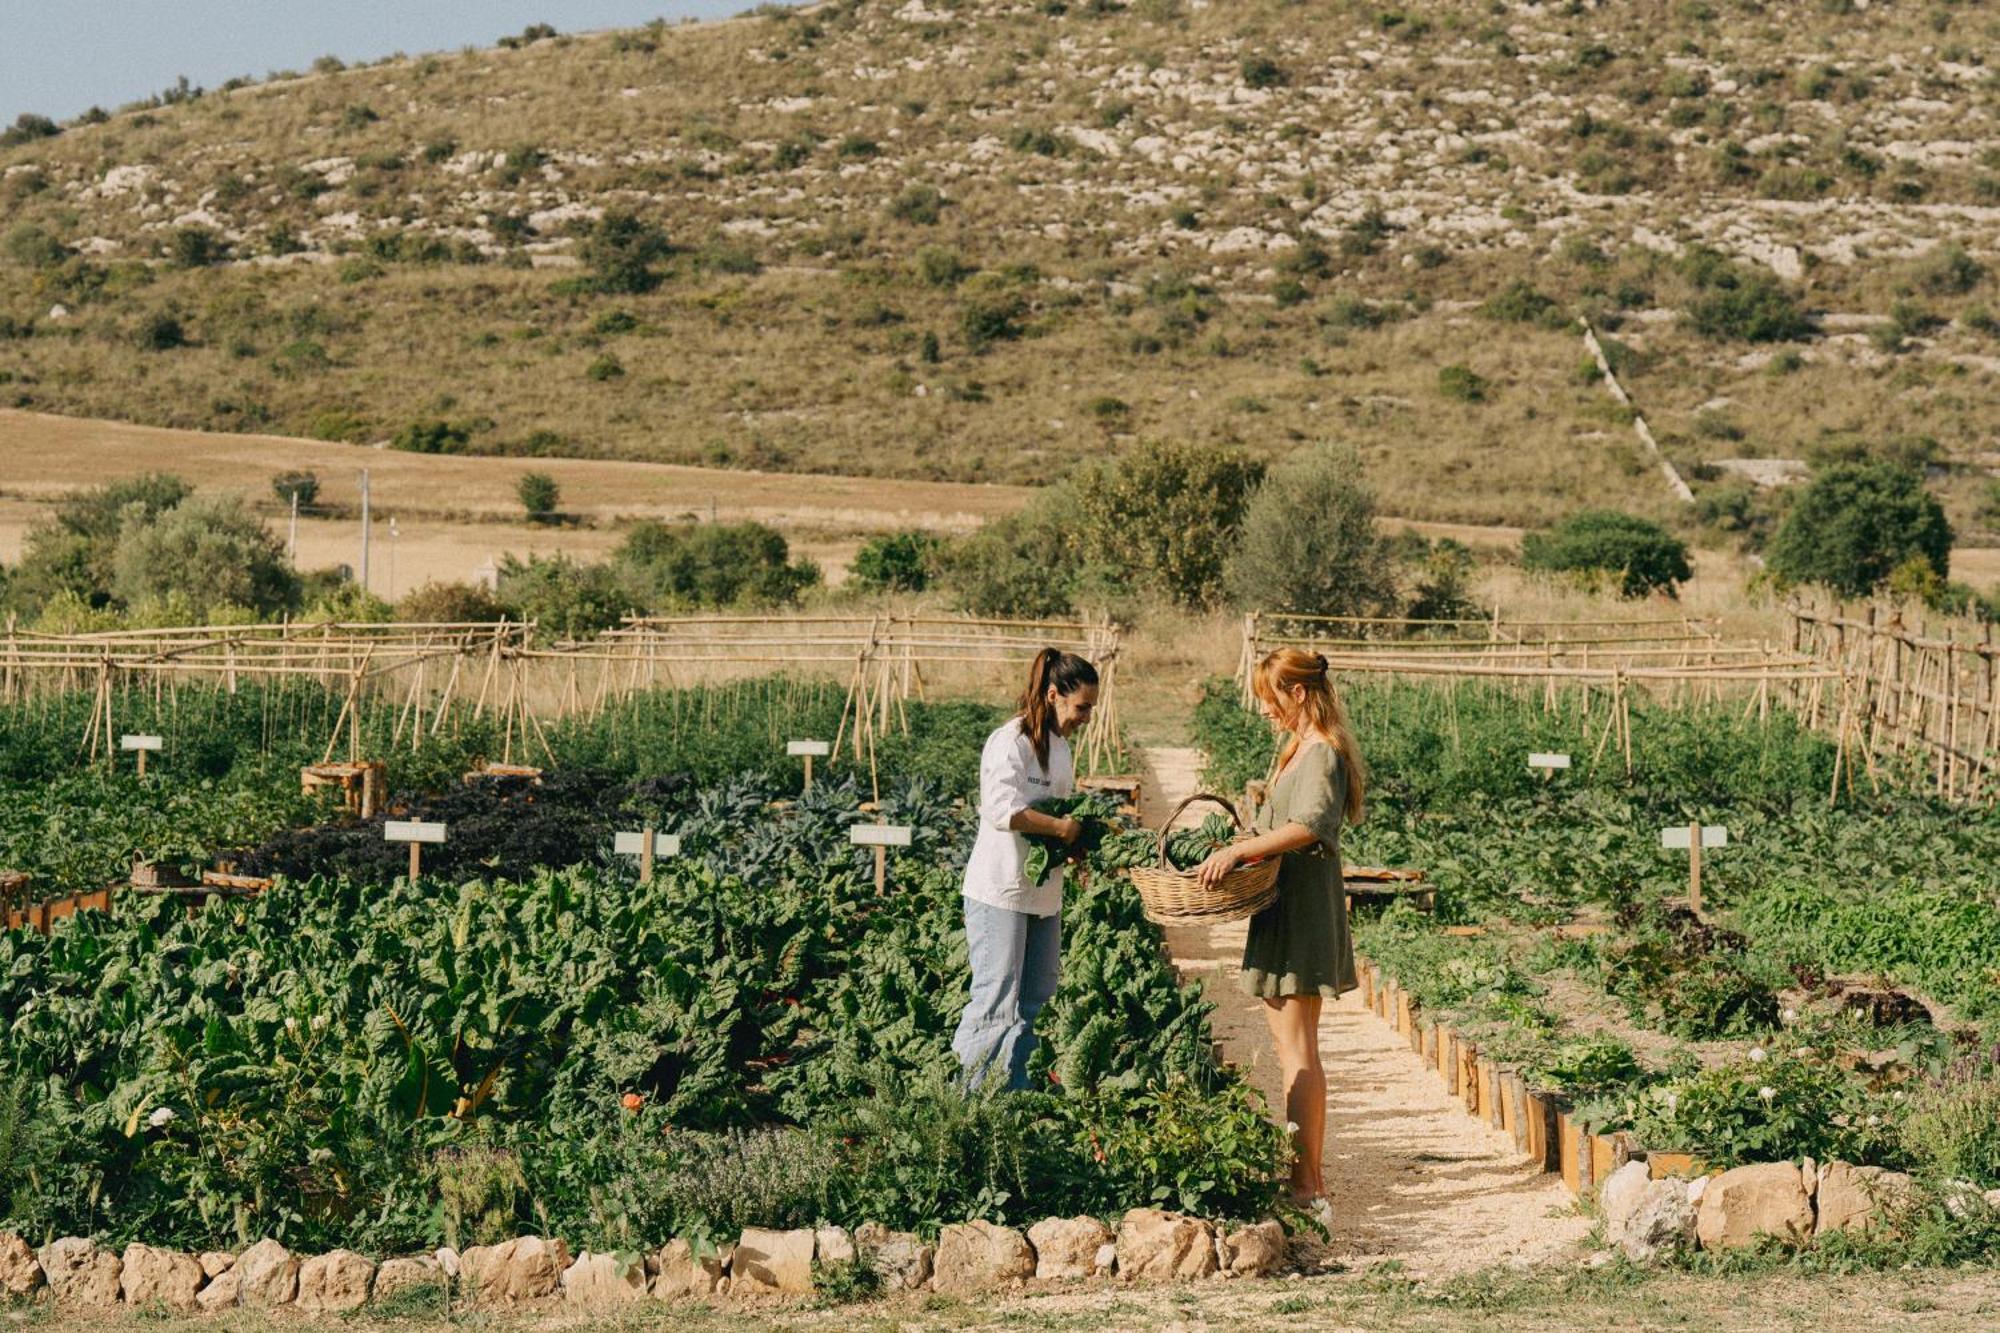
{"x": 1068, "y": 673}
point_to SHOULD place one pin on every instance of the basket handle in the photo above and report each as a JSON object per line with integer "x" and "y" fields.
{"x": 1168, "y": 826}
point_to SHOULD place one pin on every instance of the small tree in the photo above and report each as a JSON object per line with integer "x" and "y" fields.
{"x": 563, "y": 598}
{"x": 539, "y": 495}
{"x": 432, "y": 436}
{"x": 1164, "y": 514}
{"x": 210, "y": 550}
{"x": 1308, "y": 542}
{"x": 1024, "y": 564}
{"x": 621, "y": 251}
{"x": 711, "y": 564}
{"x": 450, "y": 603}
{"x": 1641, "y": 555}
{"x": 896, "y": 562}
{"x": 1854, "y": 523}
{"x": 300, "y": 486}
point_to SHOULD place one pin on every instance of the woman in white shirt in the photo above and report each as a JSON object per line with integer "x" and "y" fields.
{"x": 1013, "y": 928}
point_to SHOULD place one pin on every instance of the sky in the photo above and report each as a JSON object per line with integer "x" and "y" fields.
{"x": 59, "y": 58}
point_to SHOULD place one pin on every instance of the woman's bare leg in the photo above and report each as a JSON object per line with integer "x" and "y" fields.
{"x": 1294, "y": 1022}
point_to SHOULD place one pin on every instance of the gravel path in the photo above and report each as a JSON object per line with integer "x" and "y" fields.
{"x": 1413, "y": 1178}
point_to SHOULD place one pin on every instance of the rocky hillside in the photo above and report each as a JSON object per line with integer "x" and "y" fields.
{"x": 983, "y": 240}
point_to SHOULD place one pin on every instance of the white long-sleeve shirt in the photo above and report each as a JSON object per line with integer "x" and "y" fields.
{"x": 1010, "y": 780}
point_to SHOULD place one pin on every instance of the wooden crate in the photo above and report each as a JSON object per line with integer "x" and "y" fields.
{"x": 1379, "y": 886}
{"x": 1125, "y": 786}
{"x": 362, "y": 785}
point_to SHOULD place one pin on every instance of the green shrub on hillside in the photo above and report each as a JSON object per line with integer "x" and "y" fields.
{"x": 1164, "y": 513}
{"x": 896, "y": 562}
{"x": 710, "y": 564}
{"x": 1641, "y": 555}
{"x": 1856, "y": 522}
{"x": 1307, "y": 542}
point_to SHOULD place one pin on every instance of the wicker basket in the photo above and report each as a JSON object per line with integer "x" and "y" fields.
{"x": 1176, "y": 898}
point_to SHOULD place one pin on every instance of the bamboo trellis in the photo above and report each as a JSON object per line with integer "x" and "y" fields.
{"x": 421, "y": 669}
{"x": 1923, "y": 698}
{"x": 1682, "y": 659}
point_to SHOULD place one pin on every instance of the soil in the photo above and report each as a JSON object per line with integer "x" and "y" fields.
{"x": 1416, "y": 1183}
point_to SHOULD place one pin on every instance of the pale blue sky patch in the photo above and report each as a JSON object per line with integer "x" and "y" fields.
{"x": 58, "y": 58}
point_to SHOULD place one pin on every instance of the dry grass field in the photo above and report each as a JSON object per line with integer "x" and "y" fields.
{"x": 980, "y": 240}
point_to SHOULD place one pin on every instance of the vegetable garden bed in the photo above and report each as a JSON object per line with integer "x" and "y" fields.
{"x": 1839, "y": 999}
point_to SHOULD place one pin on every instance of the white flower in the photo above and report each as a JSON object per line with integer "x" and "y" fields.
{"x": 1874, "y": 1120}
{"x": 319, "y": 1022}
{"x": 1673, "y": 1102}
{"x": 1757, "y": 1055}
{"x": 1899, "y": 1094}
{"x": 1767, "y": 1092}
{"x": 162, "y": 1116}
{"x": 1291, "y": 1127}
{"x": 1791, "y": 1015}
{"x": 292, "y": 1025}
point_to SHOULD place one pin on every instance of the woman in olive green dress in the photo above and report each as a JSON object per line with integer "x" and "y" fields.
{"x": 1299, "y": 952}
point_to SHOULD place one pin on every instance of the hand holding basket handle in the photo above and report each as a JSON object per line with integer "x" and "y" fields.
{"x": 1179, "y": 897}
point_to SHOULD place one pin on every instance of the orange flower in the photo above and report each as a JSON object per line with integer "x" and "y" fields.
{"x": 633, "y": 1101}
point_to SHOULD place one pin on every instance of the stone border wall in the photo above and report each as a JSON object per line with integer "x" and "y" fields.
{"x": 1148, "y": 1245}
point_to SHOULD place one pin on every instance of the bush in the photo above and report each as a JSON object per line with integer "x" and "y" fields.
{"x": 563, "y": 598}
{"x": 27, "y": 128}
{"x": 196, "y": 247}
{"x": 433, "y": 436}
{"x": 1643, "y": 555}
{"x": 1747, "y": 305}
{"x": 1262, "y": 72}
{"x": 1308, "y": 543}
{"x": 1520, "y": 303}
{"x": 940, "y": 266}
{"x": 35, "y": 246}
{"x": 621, "y": 251}
{"x": 1462, "y": 384}
{"x": 604, "y": 368}
{"x": 1025, "y": 564}
{"x": 161, "y": 332}
{"x": 990, "y": 321}
{"x": 1854, "y": 523}
{"x": 710, "y": 564}
{"x": 896, "y": 562}
{"x": 73, "y": 552}
{"x": 539, "y": 495}
{"x": 1163, "y": 516}
{"x": 212, "y": 551}
{"x": 919, "y": 204}
{"x": 300, "y": 486}
{"x": 451, "y": 603}
{"x": 1946, "y": 270}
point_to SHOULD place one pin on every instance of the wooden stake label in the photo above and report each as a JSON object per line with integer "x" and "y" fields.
{"x": 881, "y": 837}
{"x": 1548, "y": 761}
{"x": 634, "y": 844}
{"x": 141, "y": 743}
{"x": 1682, "y": 837}
{"x": 808, "y": 749}
{"x": 412, "y": 830}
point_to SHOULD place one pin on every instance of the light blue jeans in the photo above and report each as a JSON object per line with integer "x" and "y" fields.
{"x": 1016, "y": 963}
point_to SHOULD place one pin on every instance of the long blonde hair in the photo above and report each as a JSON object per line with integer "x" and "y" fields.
{"x": 1321, "y": 711}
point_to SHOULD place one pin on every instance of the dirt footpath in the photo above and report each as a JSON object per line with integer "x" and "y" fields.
{"x": 1413, "y": 1178}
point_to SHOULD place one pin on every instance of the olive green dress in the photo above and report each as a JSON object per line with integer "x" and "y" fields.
{"x": 1300, "y": 944}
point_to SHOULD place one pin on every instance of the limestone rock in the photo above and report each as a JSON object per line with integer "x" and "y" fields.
{"x": 422, "y": 1270}
{"x": 1746, "y": 1202}
{"x": 214, "y": 1263}
{"x": 79, "y": 1273}
{"x": 167, "y": 1277}
{"x": 1156, "y": 1244}
{"x": 1858, "y": 1197}
{"x": 977, "y": 1256}
{"x": 1107, "y": 1258}
{"x": 526, "y": 1268}
{"x": 1254, "y": 1251}
{"x": 898, "y": 1258}
{"x": 832, "y": 1245}
{"x": 601, "y": 1282}
{"x": 447, "y": 1259}
{"x": 221, "y": 1292}
{"x": 1659, "y": 1225}
{"x": 1619, "y": 1195}
{"x": 770, "y": 1261}
{"x": 340, "y": 1280}
{"x": 1855, "y": 1197}
{"x": 20, "y": 1271}
{"x": 1066, "y": 1247}
{"x": 267, "y": 1274}
{"x": 679, "y": 1273}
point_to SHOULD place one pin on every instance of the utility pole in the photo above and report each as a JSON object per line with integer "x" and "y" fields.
{"x": 364, "y": 530}
{"x": 392, "y": 557}
{"x": 292, "y": 542}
